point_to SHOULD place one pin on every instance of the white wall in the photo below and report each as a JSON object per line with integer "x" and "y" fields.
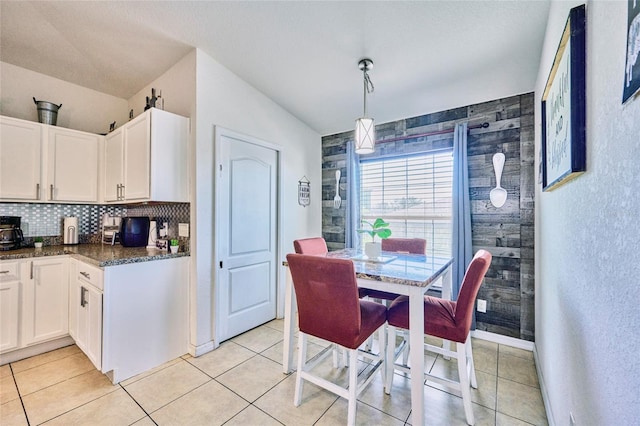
{"x": 82, "y": 108}
{"x": 587, "y": 234}
{"x": 223, "y": 99}
{"x": 211, "y": 95}
{"x": 178, "y": 85}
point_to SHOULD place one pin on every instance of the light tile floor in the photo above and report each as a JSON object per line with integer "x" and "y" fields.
{"x": 241, "y": 383}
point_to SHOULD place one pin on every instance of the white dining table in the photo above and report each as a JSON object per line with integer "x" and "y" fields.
{"x": 406, "y": 274}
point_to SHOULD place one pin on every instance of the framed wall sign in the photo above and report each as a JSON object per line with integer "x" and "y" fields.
{"x": 564, "y": 107}
{"x": 304, "y": 192}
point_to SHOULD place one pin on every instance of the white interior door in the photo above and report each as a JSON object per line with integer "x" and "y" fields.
{"x": 246, "y": 233}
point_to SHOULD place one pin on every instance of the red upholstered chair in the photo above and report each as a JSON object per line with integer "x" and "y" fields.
{"x": 329, "y": 308}
{"x": 315, "y": 246}
{"x": 447, "y": 320}
{"x": 405, "y": 245}
{"x": 396, "y": 245}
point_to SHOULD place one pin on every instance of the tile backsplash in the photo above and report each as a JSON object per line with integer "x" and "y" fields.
{"x": 45, "y": 220}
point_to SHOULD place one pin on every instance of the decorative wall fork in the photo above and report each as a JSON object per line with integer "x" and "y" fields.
{"x": 337, "y": 201}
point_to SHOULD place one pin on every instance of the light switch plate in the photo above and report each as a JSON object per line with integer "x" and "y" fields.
{"x": 183, "y": 230}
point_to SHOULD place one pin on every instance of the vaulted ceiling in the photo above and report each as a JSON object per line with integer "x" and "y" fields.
{"x": 428, "y": 55}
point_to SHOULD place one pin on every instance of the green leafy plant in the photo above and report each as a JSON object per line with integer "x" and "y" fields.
{"x": 37, "y": 239}
{"x": 379, "y": 228}
{"x": 174, "y": 242}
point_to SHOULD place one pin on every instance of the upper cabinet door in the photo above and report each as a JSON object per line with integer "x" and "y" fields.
{"x": 73, "y": 166}
{"x": 20, "y": 159}
{"x": 113, "y": 157}
{"x": 137, "y": 159}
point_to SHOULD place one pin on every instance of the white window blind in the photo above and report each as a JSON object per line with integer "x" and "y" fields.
{"x": 413, "y": 194}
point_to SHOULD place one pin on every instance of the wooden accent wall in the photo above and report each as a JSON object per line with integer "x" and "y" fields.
{"x": 507, "y": 232}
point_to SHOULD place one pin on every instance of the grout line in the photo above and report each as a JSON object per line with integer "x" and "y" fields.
{"x": 257, "y": 408}
{"x": 136, "y": 401}
{"x": 24, "y": 410}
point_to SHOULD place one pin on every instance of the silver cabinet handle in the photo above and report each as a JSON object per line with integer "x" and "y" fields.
{"x": 31, "y": 270}
{"x": 85, "y": 274}
{"x": 51, "y": 190}
{"x": 4, "y": 272}
{"x": 83, "y": 301}
{"x": 37, "y": 191}
{"x": 122, "y": 192}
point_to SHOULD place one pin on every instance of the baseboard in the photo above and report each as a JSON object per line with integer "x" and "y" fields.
{"x": 38, "y": 349}
{"x": 543, "y": 389}
{"x": 196, "y": 351}
{"x": 503, "y": 340}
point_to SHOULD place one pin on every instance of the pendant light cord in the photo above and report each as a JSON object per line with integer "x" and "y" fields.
{"x": 368, "y": 88}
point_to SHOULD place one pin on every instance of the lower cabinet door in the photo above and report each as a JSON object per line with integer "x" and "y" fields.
{"x": 9, "y": 302}
{"x": 46, "y": 299}
{"x": 91, "y": 317}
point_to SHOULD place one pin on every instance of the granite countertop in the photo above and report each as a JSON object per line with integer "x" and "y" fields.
{"x": 100, "y": 255}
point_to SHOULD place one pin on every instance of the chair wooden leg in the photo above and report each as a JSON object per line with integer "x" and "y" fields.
{"x": 353, "y": 386}
{"x": 405, "y": 353}
{"x": 302, "y": 354}
{"x": 389, "y": 358}
{"x": 461, "y": 354}
{"x": 472, "y": 367}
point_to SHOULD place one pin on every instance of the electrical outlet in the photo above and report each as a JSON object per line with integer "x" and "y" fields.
{"x": 482, "y": 305}
{"x": 183, "y": 230}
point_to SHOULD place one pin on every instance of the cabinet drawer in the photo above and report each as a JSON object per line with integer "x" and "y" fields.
{"x": 91, "y": 274}
{"x": 9, "y": 271}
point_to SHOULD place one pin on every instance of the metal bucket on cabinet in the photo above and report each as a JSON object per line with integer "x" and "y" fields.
{"x": 47, "y": 112}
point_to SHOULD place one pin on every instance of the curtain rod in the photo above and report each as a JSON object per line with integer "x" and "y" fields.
{"x": 436, "y": 132}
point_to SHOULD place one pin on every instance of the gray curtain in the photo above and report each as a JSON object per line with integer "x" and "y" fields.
{"x": 461, "y": 244}
{"x": 352, "y": 216}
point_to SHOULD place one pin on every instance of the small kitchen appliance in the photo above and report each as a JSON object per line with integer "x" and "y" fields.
{"x": 134, "y": 231}
{"x": 70, "y": 227}
{"x": 153, "y": 234}
{"x": 110, "y": 229}
{"x": 10, "y": 233}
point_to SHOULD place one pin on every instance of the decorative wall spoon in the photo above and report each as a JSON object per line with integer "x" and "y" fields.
{"x": 498, "y": 195}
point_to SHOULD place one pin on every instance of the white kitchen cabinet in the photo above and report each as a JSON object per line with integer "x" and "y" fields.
{"x": 145, "y": 316}
{"x": 73, "y": 163}
{"x": 113, "y": 157}
{"x": 137, "y": 158}
{"x": 9, "y": 306}
{"x": 20, "y": 160}
{"x": 85, "y": 309}
{"x": 146, "y": 160}
{"x": 45, "y": 301}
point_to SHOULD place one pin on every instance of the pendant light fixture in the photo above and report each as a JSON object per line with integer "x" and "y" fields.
{"x": 365, "y": 134}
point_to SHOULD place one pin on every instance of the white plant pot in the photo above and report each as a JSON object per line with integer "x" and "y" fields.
{"x": 372, "y": 250}
{"x": 174, "y": 249}
{"x": 37, "y": 245}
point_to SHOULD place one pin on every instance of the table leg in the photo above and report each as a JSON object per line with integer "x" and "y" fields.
{"x": 289, "y": 321}
{"x": 447, "y": 290}
{"x": 447, "y": 284}
{"x": 416, "y": 338}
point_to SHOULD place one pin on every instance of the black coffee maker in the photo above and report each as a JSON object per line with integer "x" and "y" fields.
{"x": 10, "y": 233}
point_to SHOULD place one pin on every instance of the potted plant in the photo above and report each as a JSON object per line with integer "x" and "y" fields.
{"x": 37, "y": 242}
{"x": 174, "y": 245}
{"x": 378, "y": 228}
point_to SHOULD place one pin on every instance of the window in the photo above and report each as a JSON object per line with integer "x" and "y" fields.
{"x": 413, "y": 194}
